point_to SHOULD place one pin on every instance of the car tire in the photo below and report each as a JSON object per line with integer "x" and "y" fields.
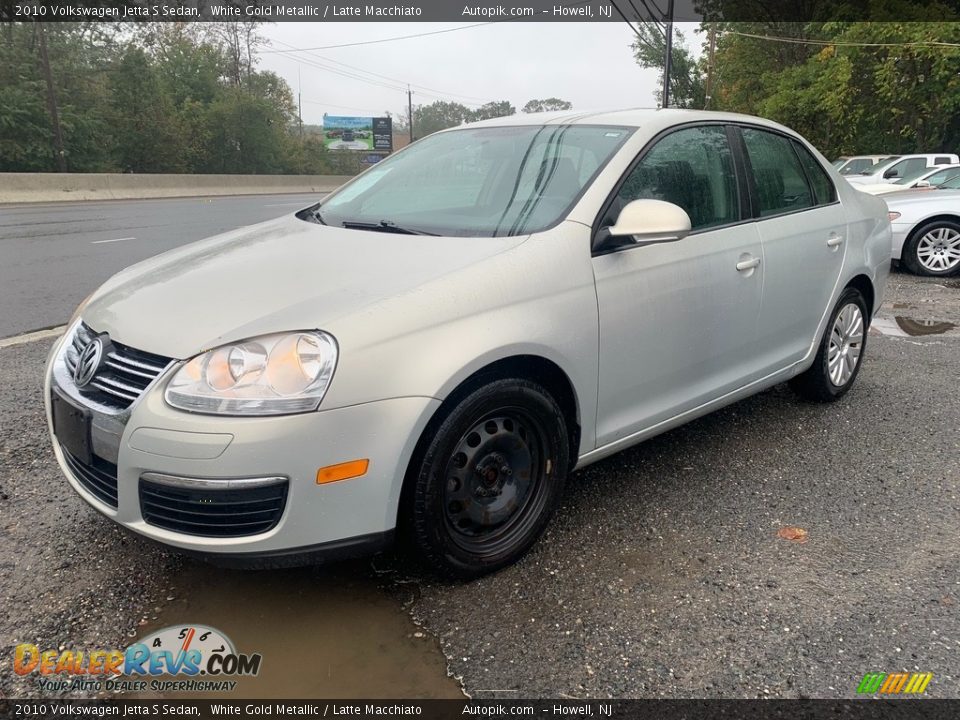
{"x": 488, "y": 478}
{"x": 840, "y": 355}
{"x": 934, "y": 249}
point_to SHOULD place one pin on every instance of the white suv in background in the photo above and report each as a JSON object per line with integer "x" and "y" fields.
{"x": 900, "y": 167}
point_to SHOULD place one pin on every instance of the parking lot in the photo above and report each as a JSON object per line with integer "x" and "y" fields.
{"x": 663, "y": 574}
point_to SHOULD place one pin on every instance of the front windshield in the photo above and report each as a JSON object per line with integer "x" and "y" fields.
{"x": 951, "y": 184}
{"x": 906, "y": 179}
{"x": 882, "y": 165}
{"x": 477, "y": 182}
{"x": 941, "y": 176}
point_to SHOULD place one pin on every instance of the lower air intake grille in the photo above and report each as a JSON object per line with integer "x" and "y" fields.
{"x": 99, "y": 478}
{"x": 212, "y": 513}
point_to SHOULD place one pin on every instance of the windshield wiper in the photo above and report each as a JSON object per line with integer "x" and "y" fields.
{"x": 383, "y": 226}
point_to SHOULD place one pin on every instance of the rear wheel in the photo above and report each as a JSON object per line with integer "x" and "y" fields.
{"x": 488, "y": 481}
{"x": 838, "y": 359}
{"x": 934, "y": 249}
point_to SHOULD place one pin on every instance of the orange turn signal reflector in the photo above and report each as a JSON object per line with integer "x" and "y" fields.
{"x": 342, "y": 471}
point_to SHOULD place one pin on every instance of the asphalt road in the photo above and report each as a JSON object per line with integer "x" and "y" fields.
{"x": 53, "y": 255}
{"x": 663, "y": 574}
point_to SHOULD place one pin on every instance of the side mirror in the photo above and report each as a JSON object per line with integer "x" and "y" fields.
{"x": 645, "y": 222}
{"x": 923, "y": 183}
{"x": 891, "y": 173}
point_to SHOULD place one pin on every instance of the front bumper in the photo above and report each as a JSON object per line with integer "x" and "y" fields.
{"x": 900, "y": 232}
{"x": 338, "y": 518}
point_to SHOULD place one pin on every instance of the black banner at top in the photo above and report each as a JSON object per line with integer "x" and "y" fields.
{"x": 479, "y": 11}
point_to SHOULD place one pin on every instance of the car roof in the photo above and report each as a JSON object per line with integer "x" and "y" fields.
{"x": 651, "y": 119}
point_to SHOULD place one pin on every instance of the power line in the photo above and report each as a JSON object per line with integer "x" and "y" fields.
{"x": 378, "y": 75}
{"x": 388, "y": 39}
{"x": 828, "y": 43}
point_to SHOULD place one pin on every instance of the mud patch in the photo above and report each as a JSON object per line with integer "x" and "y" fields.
{"x": 323, "y": 632}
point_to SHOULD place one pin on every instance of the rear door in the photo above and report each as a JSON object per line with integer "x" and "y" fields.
{"x": 803, "y": 231}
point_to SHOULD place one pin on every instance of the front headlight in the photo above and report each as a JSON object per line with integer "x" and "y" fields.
{"x": 269, "y": 375}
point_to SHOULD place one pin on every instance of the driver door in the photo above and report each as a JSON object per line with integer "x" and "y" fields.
{"x": 678, "y": 320}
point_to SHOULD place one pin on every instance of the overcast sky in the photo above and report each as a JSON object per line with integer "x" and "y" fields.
{"x": 589, "y": 64}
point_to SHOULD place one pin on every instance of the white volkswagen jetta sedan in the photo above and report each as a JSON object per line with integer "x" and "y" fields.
{"x": 436, "y": 345}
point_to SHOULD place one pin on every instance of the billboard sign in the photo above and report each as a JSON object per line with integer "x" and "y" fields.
{"x": 344, "y": 132}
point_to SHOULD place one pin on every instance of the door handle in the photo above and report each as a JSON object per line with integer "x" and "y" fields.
{"x": 834, "y": 240}
{"x": 749, "y": 264}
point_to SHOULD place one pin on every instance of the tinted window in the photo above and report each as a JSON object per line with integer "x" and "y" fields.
{"x": 692, "y": 168}
{"x": 823, "y": 189}
{"x": 942, "y": 160}
{"x": 779, "y": 183}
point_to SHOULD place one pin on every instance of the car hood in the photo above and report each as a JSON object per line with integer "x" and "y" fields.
{"x": 924, "y": 196}
{"x": 285, "y": 274}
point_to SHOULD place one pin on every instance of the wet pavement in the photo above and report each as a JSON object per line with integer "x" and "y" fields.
{"x": 337, "y": 632}
{"x": 673, "y": 569}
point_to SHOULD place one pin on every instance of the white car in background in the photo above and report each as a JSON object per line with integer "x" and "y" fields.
{"x": 857, "y": 164}
{"x": 927, "y": 178}
{"x": 926, "y": 228}
{"x": 902, "y": 166}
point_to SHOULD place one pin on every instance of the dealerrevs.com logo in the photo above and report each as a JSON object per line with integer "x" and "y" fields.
{"x": 894, "y": 683}
{"x": 188, "y": 657}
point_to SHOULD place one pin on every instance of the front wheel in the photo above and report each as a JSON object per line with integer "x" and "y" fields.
{"x": 487, "y": 482}
{"x": 934, "y": 249}
{"x": 840, "y": 353}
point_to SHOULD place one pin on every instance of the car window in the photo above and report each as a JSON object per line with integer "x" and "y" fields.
{"x": 942, "y": 160}
{"x": 478, "y": 182}
{"x": 906, "y": 168}
{"x": 778, "y": 180}
{"x": 823, "y": 189}
{"x": 942, "y": 175}
{"x": 692, "y": 168}
{"x": 857, "y": 166}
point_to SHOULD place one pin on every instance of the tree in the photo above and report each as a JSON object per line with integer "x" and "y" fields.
{"x": 548, "y": 105}
{"x": 499, "y": 108}
{"x": 142, "y": 117}
{"x": 687, "y": 87}
{"x": 439, "y": 115}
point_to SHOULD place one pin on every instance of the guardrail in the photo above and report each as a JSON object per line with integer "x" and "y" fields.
{"x": 59, "y": 187}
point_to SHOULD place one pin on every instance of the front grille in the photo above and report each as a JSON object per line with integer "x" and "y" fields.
{"x": 98, "y": 478}
{"x": 123, "y": 375}
{"x": 212, "y": 513}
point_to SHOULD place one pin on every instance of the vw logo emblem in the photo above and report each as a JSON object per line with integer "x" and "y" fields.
{"x": 88, "y": 363}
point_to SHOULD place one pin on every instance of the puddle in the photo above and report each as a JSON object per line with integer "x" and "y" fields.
{"x": 323, "y": 633}
{"x": 904, "y": 326}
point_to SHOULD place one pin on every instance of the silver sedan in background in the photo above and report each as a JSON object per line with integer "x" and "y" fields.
{"x": 436, "y": 345}
{"x": 926, "y": 228}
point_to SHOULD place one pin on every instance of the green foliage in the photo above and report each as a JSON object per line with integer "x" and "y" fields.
{"x": 440, "y": 115}
{"x": 891, "y": 97}
{"x": 548, "y": 105}
{"x": 149, "y": 98}
{"x": 686, "y": 76}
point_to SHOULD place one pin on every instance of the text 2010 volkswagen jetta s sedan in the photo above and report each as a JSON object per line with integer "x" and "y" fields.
{"x": 438, "y": 343}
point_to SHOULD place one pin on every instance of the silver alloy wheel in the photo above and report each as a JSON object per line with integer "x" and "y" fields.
{"x": 846, "y": 344}
{"x": 939, "y": 249}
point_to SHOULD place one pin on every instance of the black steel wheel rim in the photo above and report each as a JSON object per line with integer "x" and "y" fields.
{"x": 495, "y": 481}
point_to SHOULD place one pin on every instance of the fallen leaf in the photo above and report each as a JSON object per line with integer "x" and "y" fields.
{"x": 793, "y": 534}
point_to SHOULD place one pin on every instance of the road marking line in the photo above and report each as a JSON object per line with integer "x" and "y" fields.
{"x": 100, "y": 242}
{"x": 32, "y": 336}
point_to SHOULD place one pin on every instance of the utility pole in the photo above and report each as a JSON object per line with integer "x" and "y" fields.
{"x": 300, "y": 115}
{"x": 410, "y": 112}
{"x": 668, "y": 55}
{"x": 708, "y": 90}
{"x": 61, "y": 156}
